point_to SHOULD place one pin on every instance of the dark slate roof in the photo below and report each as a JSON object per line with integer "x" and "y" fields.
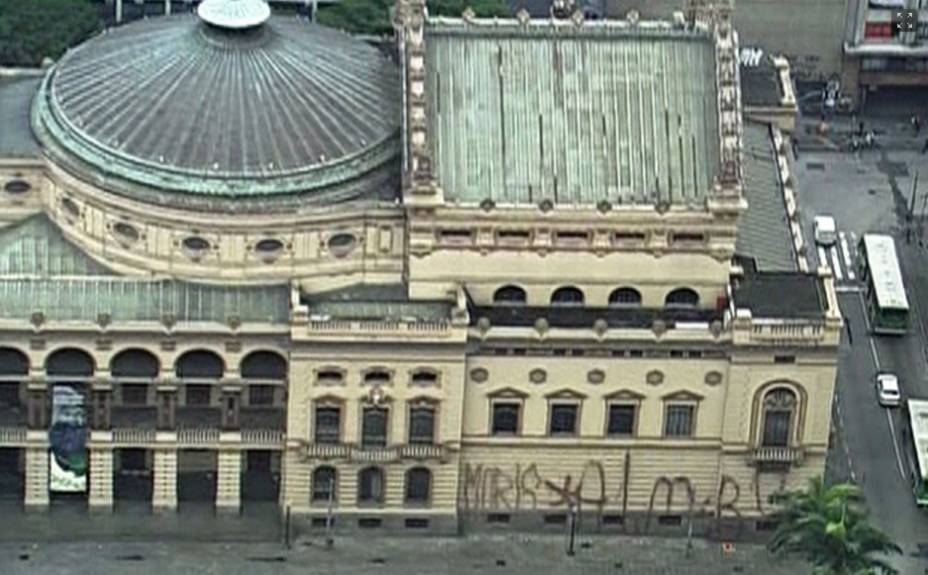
{"x": 781, "y": 295}
{"x": 375, "y": 302}
{"x": 16, "y": 138}
{"x": 760, "y": 82}
{"x": 173, "y": 104}
{"x": 585, "y": 317}
{"x": 572, "y": 114}
{"x": 763, "y": 231}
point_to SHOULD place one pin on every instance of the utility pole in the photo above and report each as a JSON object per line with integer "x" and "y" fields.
{"x": 329, "y": 519}
{"x": 572, "y": 518}
{"x": 911, "y": 216}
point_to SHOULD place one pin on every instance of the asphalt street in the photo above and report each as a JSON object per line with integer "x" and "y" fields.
{"x": 869, "y": 192}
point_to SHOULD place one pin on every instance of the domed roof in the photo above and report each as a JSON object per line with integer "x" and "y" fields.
{"x": 175, "y": 104}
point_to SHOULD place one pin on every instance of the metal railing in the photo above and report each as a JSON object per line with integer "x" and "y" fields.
{"x": 368, "y": 454}
{"x": 263, "y": 437}
{"x": 12, "y": 434}
{"x": 777, "y": 454}
{"x": 133, "y": 435}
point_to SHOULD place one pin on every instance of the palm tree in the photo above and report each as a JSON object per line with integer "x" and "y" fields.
{"x": 828, "y": 526}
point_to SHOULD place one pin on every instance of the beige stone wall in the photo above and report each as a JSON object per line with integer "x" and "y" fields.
{"x": 17, "y": 206}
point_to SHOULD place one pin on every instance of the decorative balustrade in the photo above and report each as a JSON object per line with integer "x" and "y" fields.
{"x": 263, "y": 437}
{"x": 804, "y": 331}
{"x": 777, "y": 454}
{"x": 197, "y": 436}
{"x": 12, "y": 434}
{"x": 416, "y": 327}
{"x": 361, "y": 454}
{"x": 133, "y": 435}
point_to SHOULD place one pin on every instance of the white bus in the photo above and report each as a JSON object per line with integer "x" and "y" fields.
{"x": 887, "y": 304}
{"x": 918, "y": 432}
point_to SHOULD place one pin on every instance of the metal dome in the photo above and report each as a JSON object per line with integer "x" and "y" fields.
{"x": 176, "y": 105}
{"x": 234, "y": 14}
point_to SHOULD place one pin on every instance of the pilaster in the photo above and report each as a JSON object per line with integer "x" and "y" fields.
{"x": 228, "y": 481}
{"x": 101, "y": 479}
{"x": 36, "y": 478}
{"x": 164, "y": 493}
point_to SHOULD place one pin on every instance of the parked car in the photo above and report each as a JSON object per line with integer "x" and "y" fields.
{"x": 824, "y": 230}
{"x": 887, "y": 390}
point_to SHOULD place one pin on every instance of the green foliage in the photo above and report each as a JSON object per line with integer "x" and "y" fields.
{"x": 373, "y": 16}
{"x": 829, "y": 527}
{"x": 31, "y": 30}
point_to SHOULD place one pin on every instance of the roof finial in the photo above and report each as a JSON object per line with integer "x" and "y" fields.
{"x": 234, "y": 14}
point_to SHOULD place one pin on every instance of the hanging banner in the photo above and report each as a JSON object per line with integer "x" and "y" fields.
{"x": 68, "y": 437}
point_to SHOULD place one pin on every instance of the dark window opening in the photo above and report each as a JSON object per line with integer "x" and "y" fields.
{"x": 324, "y": 484}
{"x": 374, "y": 427}
{"x": 9, "y": 395}
{"x": 456, "y": 235}
{"x": 330, "y": 377}
{"x": 424, "y": 378}
{"x": 498, "y": 517}
{"x": 628, "y": 237}
{"x": 678, "y": 421}
{"x": 198, "y": 394}
{"x": 260, "y": 395}
{"x": 370, "y": 522}
{"x": 567, "y": 296}
{"x": 555, "y": 519}
{"x": 505, "y": 418}
{"x": 671, "y": 520}
{"x": 321, "y": 522}
{"x": 422, "y": 425}
{"x": 621, "y": 420}
{"x": 625, "y": 297}
{"x": 377, "y": 377}
{"x": 510, "y": 295}
{"x": 371, "y": 486}
{"x": 563, "y": 419}
{"x": 328, "y": 424}
{"x": 418, "y": 485}
{"x": 134, "y": 394}
{"x": 416, "y": 523}
{"x": 513, "y": 235}
{"x": 613, "y": 519}
{"x": 572, "y": 237}
{"x": 682, "y": 297}
{"x": 784, "y": 359}
{"x": 687, "y": 238}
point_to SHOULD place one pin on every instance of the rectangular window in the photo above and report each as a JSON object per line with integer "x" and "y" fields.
{"x": 498, "y": 518}
{"x": 572, "y": 238}
{"x": 422, "y": 425}
{"x": 621, "y": 419}
{"x": 134, "y": 394}
{"x": 260, "y": 395}
{"x": 784, "y": 359}
{"x": 416, "y": 523}
{"x": 621, "y": 238}
{"x": 505, "y": 418}
{"x": 563, "y": 419}
{"x": 198, "y": 394}
{"x": 678, "y": 420}
{"x": 370, "y": 522}
{"x": 776, "y": 427}
{"x": 328, "y": 424}
{"x": 687, "y": 238}
{"x": 374, "y": 427}
{"x": 9, "y": 394}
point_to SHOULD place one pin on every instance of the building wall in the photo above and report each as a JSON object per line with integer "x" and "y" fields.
{"x": 809, "y": 32}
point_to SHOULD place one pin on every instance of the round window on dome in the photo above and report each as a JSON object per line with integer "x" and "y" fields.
{"x": 70, "y": 207}
{"x": 126, "y": 232}
{"x": 16, "y": 187}
{"x": 195, "y": 245}
{"x": 340, "y": 245}
{"x": 269, "y": 247}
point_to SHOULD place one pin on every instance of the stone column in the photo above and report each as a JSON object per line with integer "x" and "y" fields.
{"x": 36, "y": 478}
{"x": 228, "y": 481}
{"x": 164, "y": 491}
{"x": 167, "y": 7}
{"x": 101, "y": 479}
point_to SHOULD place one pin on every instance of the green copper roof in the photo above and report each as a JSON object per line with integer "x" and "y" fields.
{"x": 36, "y": 247}
{"x": 375, "y": 302}
{"x": 575, "y": 114}
{"x": 41, "y": 271}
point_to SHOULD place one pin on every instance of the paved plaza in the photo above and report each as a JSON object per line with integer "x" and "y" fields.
{"x": 510, "y": 554}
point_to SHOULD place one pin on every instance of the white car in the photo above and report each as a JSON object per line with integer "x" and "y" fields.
{"x": 824, "y": 230}
{"x": 887, "y": 390}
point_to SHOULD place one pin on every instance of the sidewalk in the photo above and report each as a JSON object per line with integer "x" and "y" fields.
{"x": 512, "y": 555}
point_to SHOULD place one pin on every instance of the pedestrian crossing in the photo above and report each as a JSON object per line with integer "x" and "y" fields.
{"x": 840, "y": 257}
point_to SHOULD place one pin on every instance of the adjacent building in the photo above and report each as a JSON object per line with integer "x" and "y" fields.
{"x": 521, "y": 269}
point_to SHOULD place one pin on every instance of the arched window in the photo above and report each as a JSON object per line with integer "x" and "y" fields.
{"x": 567, "y": 296}
{"x": 371, "y": 485}
{"x": 264, "y": 365}
{"x": 13, "y": 362}
{"x": 779, "y": 409}
{"x": 625, "y": 297}
{"x": 418, "y": 485}
{"x": 509, "y": 295}
{"x": 135, "y": 363}
{"x": 70, "y": 362}
{"x": 682, "y": 297}
{"x": 200, "y": 364}
{"x": 324, "y": 484}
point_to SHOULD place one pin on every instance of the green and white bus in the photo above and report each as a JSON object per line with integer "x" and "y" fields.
{"x": 878, "y": 267}
{"x": 918, "y": 433}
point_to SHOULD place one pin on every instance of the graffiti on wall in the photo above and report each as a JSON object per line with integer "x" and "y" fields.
{"x": 523, "y": 487}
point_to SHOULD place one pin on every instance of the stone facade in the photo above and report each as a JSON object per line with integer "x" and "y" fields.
{"x": 540, "y": 360}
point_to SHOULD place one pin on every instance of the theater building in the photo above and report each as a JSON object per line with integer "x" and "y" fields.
{"x": 510, "y": 271}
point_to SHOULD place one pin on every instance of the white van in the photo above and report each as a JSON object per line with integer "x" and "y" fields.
{"x": 824, "y": 230}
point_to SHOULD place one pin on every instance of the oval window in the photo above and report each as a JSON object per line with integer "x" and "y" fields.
{"x": 269, "y": 246}
{"x": 126, "y": 231}
{"x": 70, "y": 207}
{"x": 17, "y": 187}
{"x": 196, "y": 244}
{"x": 341, "y": 244}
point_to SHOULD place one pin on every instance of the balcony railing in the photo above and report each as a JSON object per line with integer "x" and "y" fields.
{"x": 263, "y": 437}
{"x": 777, "y": 454}
{"x": 197, "y": 436}
{"x": 360, "y": 454}
{"x": 133, "y": 435}
{"x": 12, "y": 434}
